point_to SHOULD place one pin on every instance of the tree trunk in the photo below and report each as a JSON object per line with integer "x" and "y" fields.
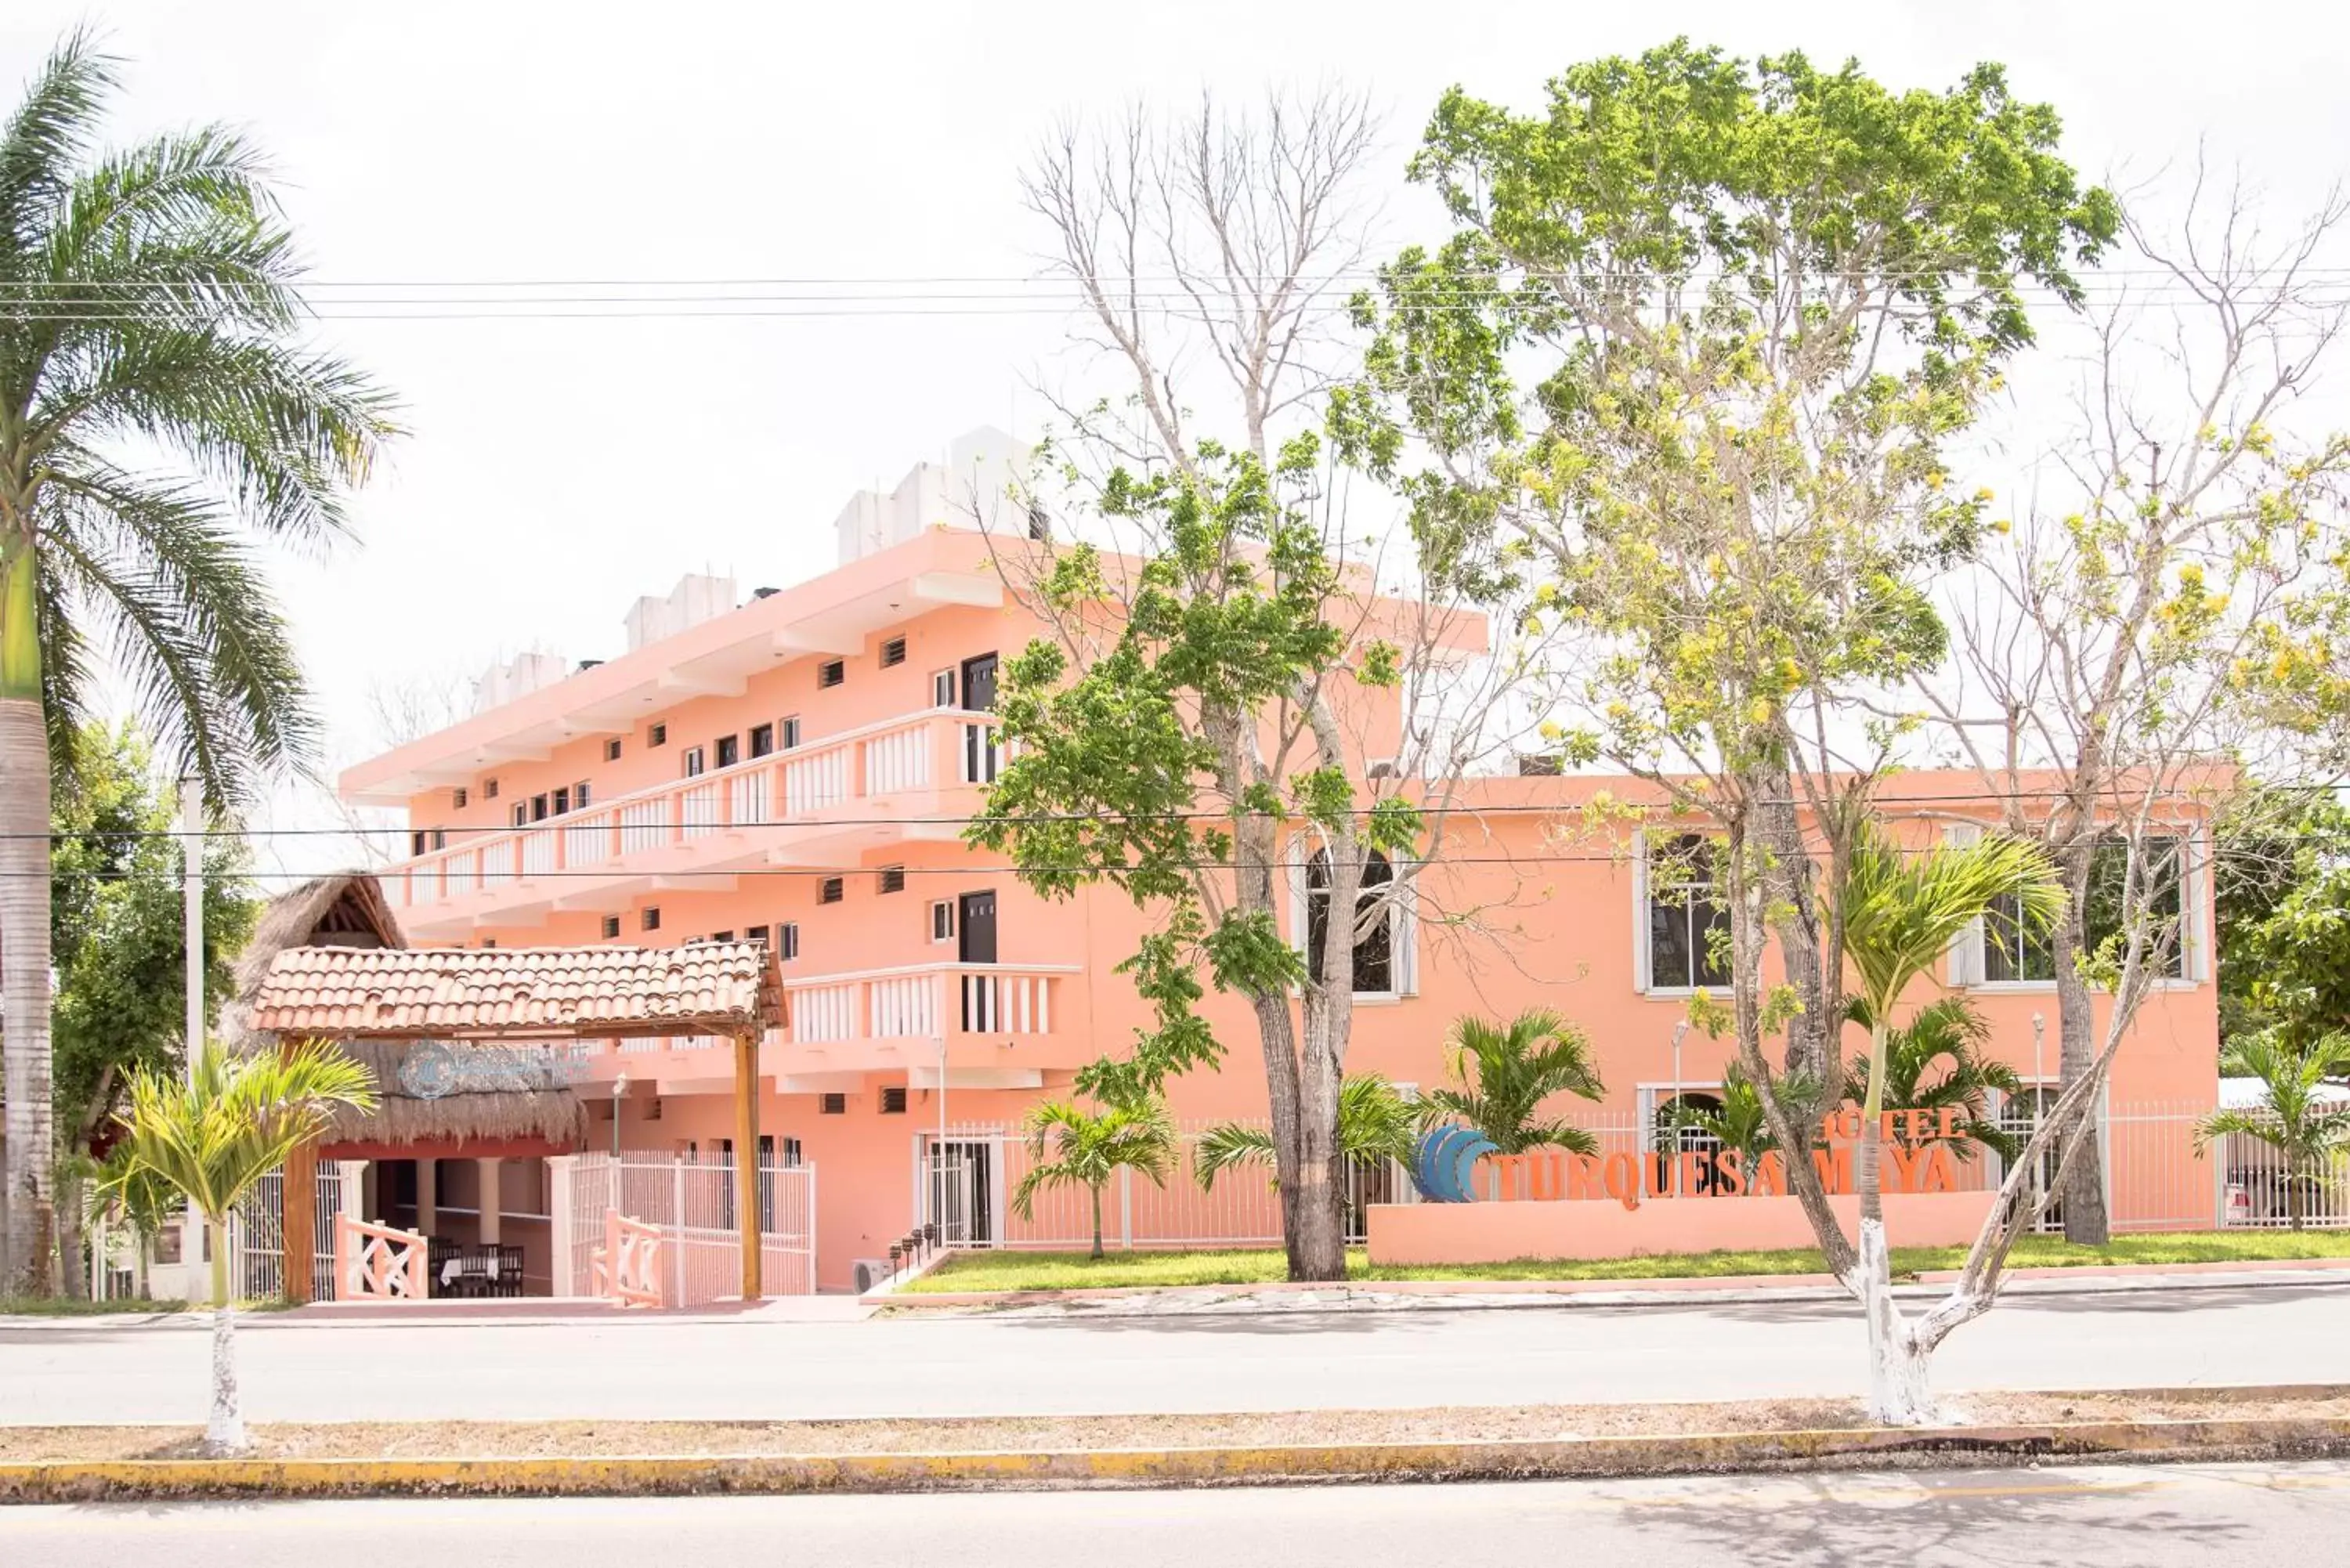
{"x": 1318, "y": 1249}
{"x": 73, "y": 1273}
{"x": 2084, "y": 1197}
{"x": 224, "y": 1431}
{"x": 1899, "y": 1391}
{"x": 1786, "y": 877}
{"x": 1098, "y": 1246}
{"x": 24, "y": 1259}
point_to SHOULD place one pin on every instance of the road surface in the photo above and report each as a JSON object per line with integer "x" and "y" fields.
{"x": 730, "y": 1369}
{"x": 2144, "y": 1518}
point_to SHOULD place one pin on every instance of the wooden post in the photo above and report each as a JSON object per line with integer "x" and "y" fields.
{"x": 746, "y": 1157}
{"x": 297, "y": 1227}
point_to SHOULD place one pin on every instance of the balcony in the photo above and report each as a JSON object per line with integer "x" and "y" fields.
{"x": 911, "y": 777}
{"x": 1000, "y": 1026}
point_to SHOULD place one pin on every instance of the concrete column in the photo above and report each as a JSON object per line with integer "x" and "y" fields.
{"x": 489, "y": 1198}
{"x": 425, "y": 1217}
{"x": 560, "y": 1195}
{"x": 352, "y": 1189}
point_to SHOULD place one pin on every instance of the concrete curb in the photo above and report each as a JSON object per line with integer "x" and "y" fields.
{"x": 149, "y": 1480}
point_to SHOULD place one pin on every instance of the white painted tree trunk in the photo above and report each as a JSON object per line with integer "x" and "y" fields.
{"x": 225, "y": 1428}
{"x": 1899, "y": 1394}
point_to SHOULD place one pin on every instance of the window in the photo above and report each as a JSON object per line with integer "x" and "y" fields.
{"x": 757, "y": 934}
{"x": 1687, "y": 924}
{"x": 489, "y": 789}
{"x": 522, "y": 814}
{"x": 942, "y": 685}
{"x": 427, "y": 840}
{"x": 2162, "y": 870}
{"x": 763, "y": 740}
{"x": 694, "y": 761}
{"x": 721, "y": 936}
{"x": 657, "y": 735}
{"x": 611, "y": 928}
{"x": 580, "y": 796}
{"x": 833, "y": 1104}
{"x": 893, "y": 1100}
{"x": 893, "y": 652}
{"x": 2011, "y": 956}
{"x": 649, "y": 919}
{"x": 1374, "y": 949}
{"x": 831, "y": 673}
{"x": 942, "y": 915}
{"x": 792, "y": 734}
{"x": 457, "y": 798}
{"x": 793, "y": 1157}
{"x": 612, "y": 750}
{"x": 830, "y": 891}
{"x": 788, "y": 942}
{"x": 730, "y": 750}
{"x": 1040, "y": 522}
{"x": 563, "y": 801}
{"x": 538, "y": 808}
{"x": 893, "y": 880}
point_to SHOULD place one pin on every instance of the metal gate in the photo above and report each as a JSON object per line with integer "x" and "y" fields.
{"x": 256, "y": 1241}
{"x": 691, "y": 1203}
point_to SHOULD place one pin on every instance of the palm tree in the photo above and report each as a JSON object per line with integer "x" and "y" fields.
{"x": 1902, "y": 910}
{"x": 2295, "y": 1117}
{"x": 1374, "y": 1122}
{"x": 1738, "y": 1124}
{"x": 210, "y": 1137}
{"x": 1067, "y": 1147}
{"x": 147, "y": 301}
{"x": 1518, "y": 1065}
{"x": 1948, "y": 1034}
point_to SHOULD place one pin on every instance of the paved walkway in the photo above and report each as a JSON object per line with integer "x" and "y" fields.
{"x": 743, "y": 1368}
{"x": 2179, "y": 1518}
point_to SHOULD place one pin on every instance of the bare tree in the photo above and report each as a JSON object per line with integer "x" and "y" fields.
{"x": 2159, "y": 608}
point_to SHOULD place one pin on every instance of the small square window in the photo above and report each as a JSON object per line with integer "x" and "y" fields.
{"x": 611, "y": 928}
{"x": 832, "y": 672}
{"x": 563, "y": 801}
{"x": 788, "y": 942}
{"x": 730, "y": 750}
{"x": 942, "y": 688}
{"x": 612, "y": 750}
{"x": 757, "y": 934}
{"x": 893, "y": 652}
{"x": 457, "y": 797}
{"x": 649, "y": 919}
{"x": 489, "y": 789}
{"x": 792, "y": 734}
{"x": 893, "y": 1100}
{"x": 830, "y": 891}
{"x": 763, "y": 739}
{"x": 695, "y": 762}
{"x": 942, "y": 915}
{"x": 834, "y": 1105}
{"x": 893, "y": 879}
{"x": 656, "y": 735}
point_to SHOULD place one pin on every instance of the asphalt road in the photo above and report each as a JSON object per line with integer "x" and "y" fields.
{"x": 721, "y": 1369}
{"x": 2114, "y": 1517}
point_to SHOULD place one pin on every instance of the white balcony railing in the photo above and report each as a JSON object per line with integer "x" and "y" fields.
{"x": 926, "y": 1002}
{"x": 897, "y": 756}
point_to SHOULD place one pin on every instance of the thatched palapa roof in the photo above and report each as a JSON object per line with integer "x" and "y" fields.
{"x": 551, "y": 1113}
{"x": 345, "y": 910}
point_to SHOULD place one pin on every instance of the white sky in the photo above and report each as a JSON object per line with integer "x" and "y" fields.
{"x": 558, "y": 468}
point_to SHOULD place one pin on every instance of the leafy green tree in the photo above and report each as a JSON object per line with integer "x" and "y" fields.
{"x": 2285, "y": 932}
{"x": 1936, "y": 1062}
{"x": 1071, "y": 1147}
{"x": 210, "y": 1136}
{"x": 2296, "y": 1116}
{"x": 1376, "y": 1123}
{"x": 146, "y": 297}
{"x": 1901, "y": 909}
{"x": 1503, "y": 1074}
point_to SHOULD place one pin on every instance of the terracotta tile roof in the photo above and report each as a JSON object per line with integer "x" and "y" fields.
{"x": 712, "y": 988}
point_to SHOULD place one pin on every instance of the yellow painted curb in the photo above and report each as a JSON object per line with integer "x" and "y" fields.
{"x": 1516, "y": 1458}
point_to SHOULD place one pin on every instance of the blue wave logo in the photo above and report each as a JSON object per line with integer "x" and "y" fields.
{"x": 1445, "y": 1165}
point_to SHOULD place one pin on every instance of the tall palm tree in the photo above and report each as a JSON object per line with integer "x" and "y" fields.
{"x": 2295, "y": 1117}
{"x": 1517, "y": 1066}
{"x": 1068, "y": 1147}
{"x": 1902, "y": 910}
{"x": 147, "y": 311}
{"x": 1935, "y": 1062}
{"x": 1374, "y": 1122}
{"x": 209, "y": 1137}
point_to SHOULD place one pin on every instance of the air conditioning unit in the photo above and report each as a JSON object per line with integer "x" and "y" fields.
{"x": 871, "y": 1274}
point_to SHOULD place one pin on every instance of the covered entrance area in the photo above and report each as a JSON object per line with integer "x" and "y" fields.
{"x": 456, "y": 1026}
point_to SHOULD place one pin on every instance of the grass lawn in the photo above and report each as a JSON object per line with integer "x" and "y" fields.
{"x": 1074, "y": 1270}
{"x": 53, "y": 1306}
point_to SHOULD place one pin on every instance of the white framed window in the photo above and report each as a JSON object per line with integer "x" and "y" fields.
{"x": 1387, "y": 956}
{"x": 1995, "y": 952}
{"x": 695, "y": 762}
{"x": 943, "y": 920}
{"x": 787, "y": 942}
{"x": 792, "y": 733}
{"x": 1681, "y": 924}
{"x": 942, "y": 689}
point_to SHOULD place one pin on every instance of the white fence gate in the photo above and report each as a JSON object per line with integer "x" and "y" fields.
{"x": 256, "y": 1237}
{"x": 691, "y": 1203}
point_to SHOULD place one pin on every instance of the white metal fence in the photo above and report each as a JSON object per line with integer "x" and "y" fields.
{"x": 691, "y": 1202}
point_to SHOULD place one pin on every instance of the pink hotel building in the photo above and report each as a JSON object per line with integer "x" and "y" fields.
{"x": 795, "y": 765}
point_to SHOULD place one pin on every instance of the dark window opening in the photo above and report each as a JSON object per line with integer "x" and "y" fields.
{"x": 893, "y": 879}
{"x": 563, "y": 801}
{"x": 833, "y": 1104}
{"x": 1689, "y": 923}
{"x": 656, "y": 735}
{"x": 730, "y": 751}
{"x": 611, "y": 928}
{"x": 893, "y": 1100}
{"x": 831, "y": 673}
{"x": 612, "y": 750}
{"x": 831, "y": 892}
{"x": 1374, "y": 948}
{"x": 893, "y": 652}
{"x": 763, "y": 740}
{"x": 651, "y": 918}
{"x": 457, "y": 798}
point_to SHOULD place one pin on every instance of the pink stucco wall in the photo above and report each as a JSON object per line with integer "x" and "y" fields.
{"x": 1414, "y": 1233}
